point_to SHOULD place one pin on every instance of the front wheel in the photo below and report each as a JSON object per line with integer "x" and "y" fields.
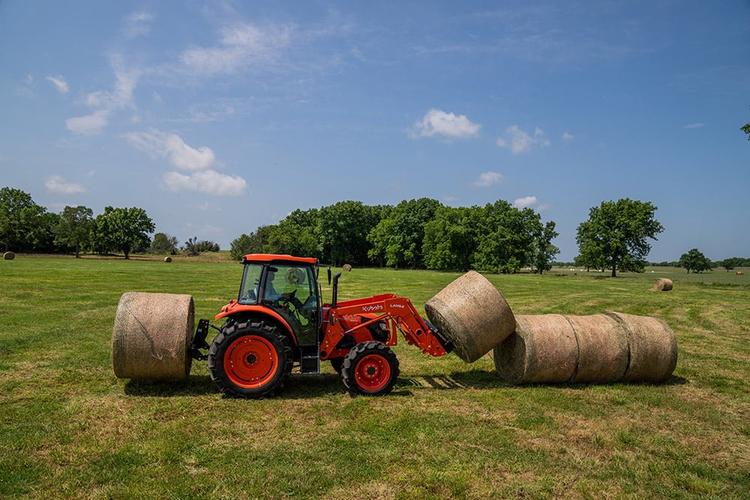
{"x": 250, "y": 359}
{"x": 370, "y": 369}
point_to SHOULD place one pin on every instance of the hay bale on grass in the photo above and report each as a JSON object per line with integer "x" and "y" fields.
{"x": 347, "y": 267}
{"x": 472, "y": 314}
{"x": 167, "y": 259}
{"x": 543, "y": 349}
{"x": 662, "y": 285}
{"x": 602, "y": 348}
{"x": 9, "y": 256}
{"x": 151, "y": 335}
{"x": 652, "y": 346}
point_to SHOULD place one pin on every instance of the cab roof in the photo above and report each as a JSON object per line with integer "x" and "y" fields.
{"x": 274, "y": 257}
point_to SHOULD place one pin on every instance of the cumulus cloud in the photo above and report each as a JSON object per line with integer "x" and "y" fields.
{"x": 173, "y": 148}
{"x": 240, "y": 46}
{"x": 197, "y": 162}
{"x": 695, "y": 125}
{"x": 441, "y": 123}
{"x": 519, "y": 141}
{"x": 138, "y": 24}
{"x": 59, "y": 82}
{"x": 487, "y": 179}
{"x": 90, "y": 124}
{"x": 58, "y": 185}
{"x": 206, "y": 181}
{"x": 524, "y": 202}
{"x": 567, "y": 136}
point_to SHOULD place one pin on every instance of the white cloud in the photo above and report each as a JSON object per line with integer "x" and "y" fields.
{"x": 524, "y": 202}
{"x": 519, "y": 141}
{"x": 58, "y": 185}
{"x": 240, "y": 46}
{"x": 138, "y": 24}
{"x": 90, "y": 124}
{"x": 59, "y": 82}
{"x": 207, "y": 181}
{"x": 695, "y": 125}
{"x": 487, "y": 179}
{"x": 438, "y": 122}
{"x": 567, "y": 136}
{"x": 173, "y": 148}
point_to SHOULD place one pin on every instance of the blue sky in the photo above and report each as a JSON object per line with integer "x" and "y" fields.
{"x": 217, "y": 117}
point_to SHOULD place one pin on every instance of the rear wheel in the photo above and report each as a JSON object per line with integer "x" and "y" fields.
{"x": 250, "y": 359}
{"x": 370, "y": 369}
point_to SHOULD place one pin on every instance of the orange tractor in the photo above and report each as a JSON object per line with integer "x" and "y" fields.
{"x": 279, "y": 320}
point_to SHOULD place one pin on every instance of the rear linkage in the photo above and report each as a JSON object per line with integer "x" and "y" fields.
{"x": 199, "y": 340}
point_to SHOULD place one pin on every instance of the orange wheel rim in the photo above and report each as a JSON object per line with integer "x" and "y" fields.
{"x": 251, "y": 362}
{"x": 372, "y": 373}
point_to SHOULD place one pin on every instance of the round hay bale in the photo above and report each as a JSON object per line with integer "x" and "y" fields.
{"x": 543, "y": 349}
{"x": 9, "y": 256}
{"x": 472, "y": 314}
{"x": 662, "y": 285}
{"x": 347, "y": 267}
{"x": 151, "y": 336}
{"x": 167, "y": 259}
{"x": 602, "y": 348}
{"x": 653, "y": 348}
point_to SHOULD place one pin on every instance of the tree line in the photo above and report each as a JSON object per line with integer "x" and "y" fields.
{"x": 26, "y": 226}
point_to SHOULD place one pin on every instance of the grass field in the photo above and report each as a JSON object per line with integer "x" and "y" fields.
{"x": 68, "y": 427}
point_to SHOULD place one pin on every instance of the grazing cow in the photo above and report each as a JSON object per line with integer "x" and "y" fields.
{"x": 739, "y": 273}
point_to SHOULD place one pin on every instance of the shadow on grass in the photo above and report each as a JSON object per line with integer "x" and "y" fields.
{"x": 195, "y": 385}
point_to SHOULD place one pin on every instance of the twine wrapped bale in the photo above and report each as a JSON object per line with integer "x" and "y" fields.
{"x": 167, "y": 259}
{"x": 347, "y": 267}
{"x": 543, "y": 349}
{"x": 151, "y": 335}
{"x": 9, "y": 256}
{"x": 662, "y": 285}
{"x": 602, "y": 348}
{"x": 652, "y": 345}
{"x": 472, "y": 314}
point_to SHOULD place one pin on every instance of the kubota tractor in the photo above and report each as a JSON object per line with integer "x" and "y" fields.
{"x": 278, "y": 321}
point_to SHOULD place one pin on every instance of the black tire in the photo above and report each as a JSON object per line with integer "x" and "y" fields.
{"x": 271, "y": 336}
{"x": 337, "y": 364}
{"x": 384, "y": 358}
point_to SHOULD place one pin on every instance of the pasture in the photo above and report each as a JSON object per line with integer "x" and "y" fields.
{"x": 68, "y": 427}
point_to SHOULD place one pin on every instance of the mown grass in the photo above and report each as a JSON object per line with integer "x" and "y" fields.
{"x": 68, "y": 427}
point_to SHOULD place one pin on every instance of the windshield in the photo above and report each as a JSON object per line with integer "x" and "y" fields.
{"x": 250, "y": 283}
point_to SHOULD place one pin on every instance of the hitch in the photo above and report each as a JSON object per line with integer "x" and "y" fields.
{"x": 199, "y": 340}
{"x": 445, "y": 342}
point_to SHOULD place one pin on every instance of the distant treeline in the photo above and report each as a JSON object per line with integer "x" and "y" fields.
{"x": 414, "y": 234}
{"x": 732, "y": 262}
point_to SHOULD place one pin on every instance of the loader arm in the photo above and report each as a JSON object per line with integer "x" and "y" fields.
{"x": 397, "y": 311}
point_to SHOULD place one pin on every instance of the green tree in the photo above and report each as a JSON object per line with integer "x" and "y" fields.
{"x": 450, "y": 238}
{"x": 731, "y": 263}
{"x": 505, "y": 237}
{"x": 616, "y": 234}
{"x": 74, "y": 228}
{"x": 164, "y": 243}
{"x": 24, "y": 225}
{"x": 397, "y": 239}
{"x": 123, "y": 229}
{"x": 746, "y": 128}
{"x": 695, "y": 261}
{"x": 544, "y": 251}
{"x": 342, "y": 230}
{"x": 255, "y": 242}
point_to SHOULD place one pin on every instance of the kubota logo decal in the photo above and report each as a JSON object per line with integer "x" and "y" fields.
{"x": 378, "y": 307}
{"x": 399, "y": 306}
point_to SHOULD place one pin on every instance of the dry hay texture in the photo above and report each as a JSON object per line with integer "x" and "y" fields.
{"x": 472, "y": 314}
{"x": 9, "y": 256}
{"x": 167, "y": 259}
{"x": 662, "y": 285}
{"x": 347, "y": 267}
{"x": 151, "y": 335}
{"x": 600, "y": 348}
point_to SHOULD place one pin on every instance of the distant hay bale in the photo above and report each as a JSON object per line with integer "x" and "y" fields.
{"x": 472, "y": 314}
{"x": 543, "y": 349}
{"x": 151, "y": 335}
{"x": 602, "y": 348}
{"x": 9, "y": 256}
{"x": 167, "y": 259}
{"x": 347, "y": 267}
{"x": 652, "y": 346}
{"x": 662, "y": 285}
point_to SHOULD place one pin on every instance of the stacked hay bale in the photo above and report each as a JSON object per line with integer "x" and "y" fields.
{"x": 600, "y": 348}
{"x": 472, "y": 314}
{"x": 9, "y": 256}
{"x": 662, "y": 285}
{"x": 151, "y": 336}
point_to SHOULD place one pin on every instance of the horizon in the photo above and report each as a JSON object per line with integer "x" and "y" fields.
{"x": 218, "y": 118}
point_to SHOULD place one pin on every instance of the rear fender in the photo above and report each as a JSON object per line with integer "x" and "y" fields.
{"x": 235, "y": 310}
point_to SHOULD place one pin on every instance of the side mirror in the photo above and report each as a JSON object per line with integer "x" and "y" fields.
{"x": 329, "y": 275}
